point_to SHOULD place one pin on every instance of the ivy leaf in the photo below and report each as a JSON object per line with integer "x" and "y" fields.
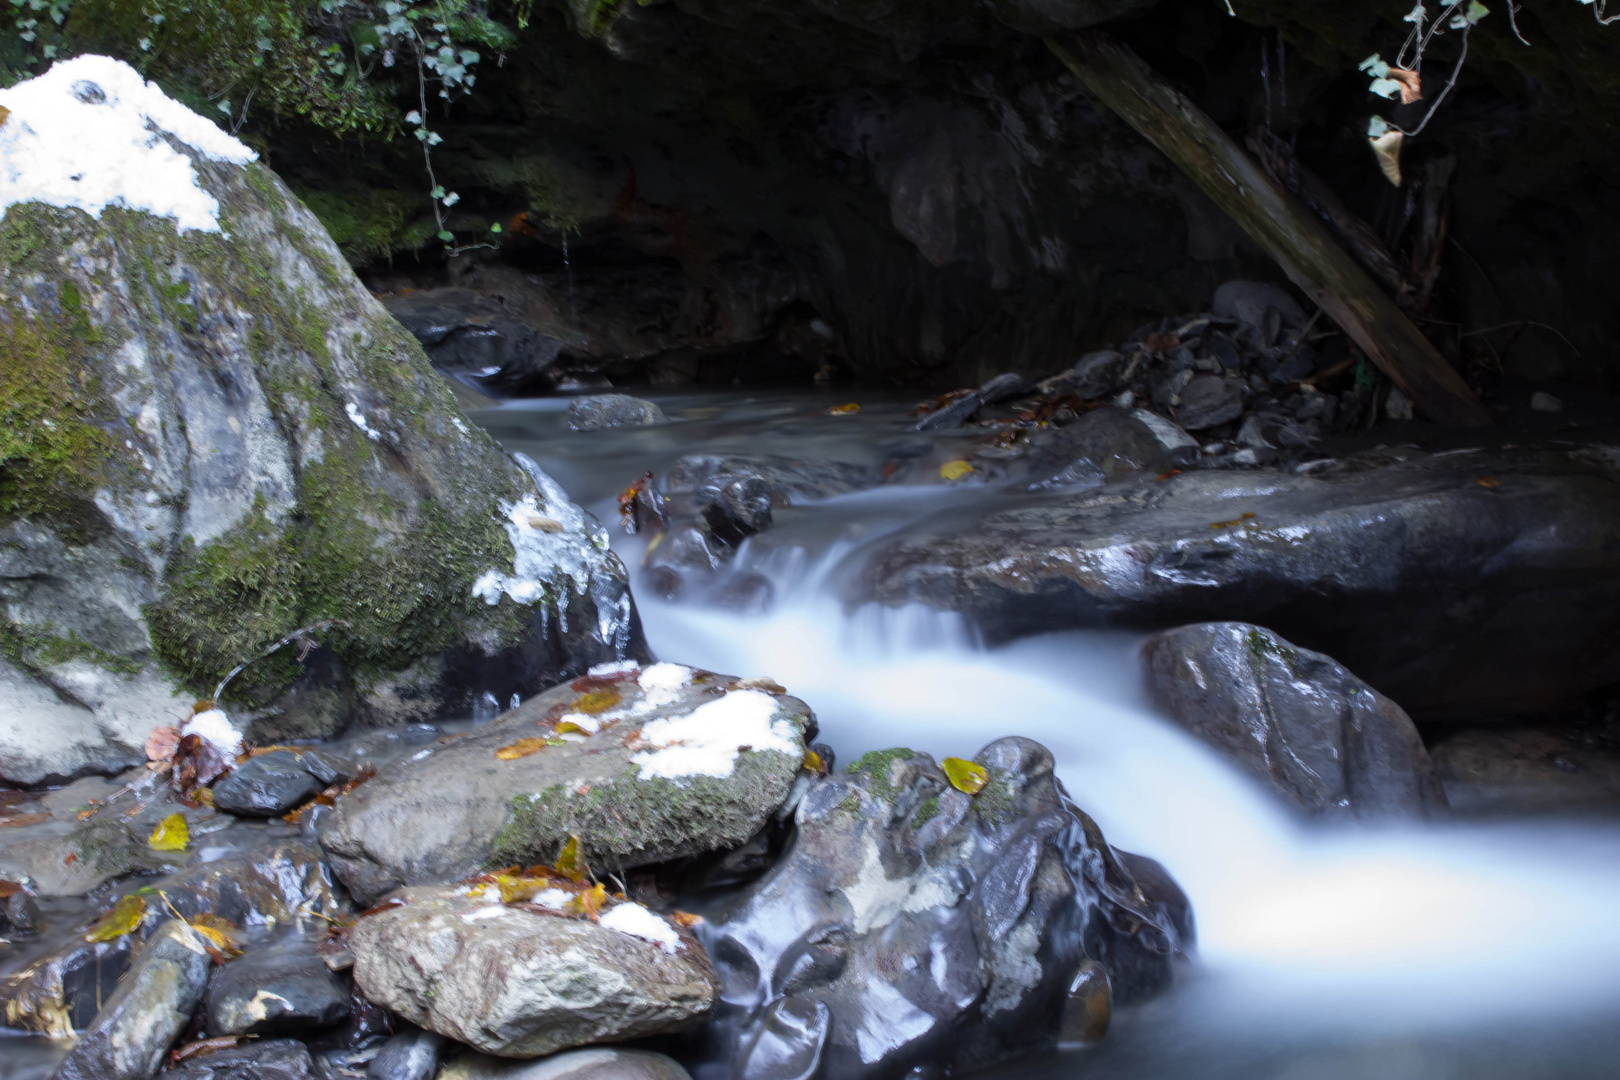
{"x": 1374, "y": 65}
{"x": 446, "y": 235}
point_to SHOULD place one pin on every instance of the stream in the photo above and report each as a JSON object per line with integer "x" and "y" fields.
{"x": 1408, "y": 951}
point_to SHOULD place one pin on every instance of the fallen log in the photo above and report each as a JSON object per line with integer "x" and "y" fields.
{"x": 1288, "y": 232}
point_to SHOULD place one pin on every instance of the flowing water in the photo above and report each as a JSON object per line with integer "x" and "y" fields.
{"x": 1417, "y": 952}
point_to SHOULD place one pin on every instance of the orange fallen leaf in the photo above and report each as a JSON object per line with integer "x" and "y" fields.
{"x": 812, "y": 763}
{"x": 845, "y": 409}
{"x": 965, "y": 776}
{"x": 686, "y": 920}
{"x": 17, "y": 821}
{"x": 1488, "y": 482}
{"x": 589, "y": 902}
{"x": 522, "y": 748}
{"x": 1247, "y": 516}
{"x": 597, "y": 701}
{"x": 160, "y": 745}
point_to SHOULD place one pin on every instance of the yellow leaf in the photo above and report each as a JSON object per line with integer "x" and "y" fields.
{"x": 845, "y": 410}
{"x": 590, "y": 901}
{"x": 517, "y": 887}
{"x": 571, "y": 862}
{"x": 955, "y": 470}
{"x": 521, "y": 748}
{"x": 172, "y": 834}
{"x": 1247, "y": 516}
{"x": 812, "y": 763}
{"x": 568, "y": 726}
{"x": 597, "y": 701}
{"x": 220, "y": 933}
{"x": 1487, "y": 481}
{"x": 125, "y": 916}
{"x": 965, "y": 776}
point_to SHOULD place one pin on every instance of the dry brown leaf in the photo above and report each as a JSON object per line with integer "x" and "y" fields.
{"x": 160, "y": 745}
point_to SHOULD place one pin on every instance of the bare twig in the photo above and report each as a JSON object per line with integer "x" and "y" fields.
{"x": 304, "y": 634}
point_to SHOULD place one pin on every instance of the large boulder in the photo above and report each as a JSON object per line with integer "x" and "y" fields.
{"x": 642, "y": 765}
{"x": 522, "y": 981}
{"x": 1564, "y": 767}
{"x": 1457, "y": 583}
{"x": 215, "y": 436}
{"x": 1313, "y": 733}
{"x": 912, "y": 925}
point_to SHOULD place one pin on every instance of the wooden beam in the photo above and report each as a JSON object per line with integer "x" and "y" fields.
{"x": 1285, "y": 229}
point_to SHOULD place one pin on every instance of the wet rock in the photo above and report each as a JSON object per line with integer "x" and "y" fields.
{"x": 267, "y": 786}
{"x": 65, "y": 803}
{"x": 152, "y": 1005}
{"x": 275, "y": 990}
{"x": 102, "y": 849}
{"x": 514, "y": 982}
{"x": 20, "y": 916}
{"x": 467, "y": 333}
{"x": 1096, "y": 373}
{"x": 1541, "y": 401}
{"x": 913, "y": 925}
{"x": 413, "y": 1054}
{"x": 955, "y": 413}
{"x": 454, "y": 808}
{"x": 269, "y": 1059}
{"x": 1115, "y": 443}
{"x": 1260, "y": 308}
{"x": 1457, "y": 584}
{"x": 1313, "y": 733}
{"x": 326, "y": 766}
{"x": 741, "y": 508}
{"x": 790, "y": 479}
{"x": 600, "y": 411}
{"x": 1551, "y": 766}
{"x": 597, "y": 1063}
{"x": 1209, "y": 400}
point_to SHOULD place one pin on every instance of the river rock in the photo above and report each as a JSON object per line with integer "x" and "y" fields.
{"x": 467, "y": 333}
{"x": 1209, "y": 400}
{"x": 266, "y": 786}
{"x": 1096, "y": 372}
{"x": 269, "y": 1059}
{"x": 1105, "y": 445}
{"x": 515, "y": 982}
{"x": 791, "y": 480}
{"x": 20, "y": 916}
{"x": 1458, "y": 584}
{"x": 597, "y": 1063}
{"x": 597, "y": 412}
{"x": 1313, "y": 733}
{"x": 912, "y": 925}
{"x": 152, "y": 1005}
{"x": 1259, "y": 307}
{"x": 217, "y": 436}
{"x": 412, "y": 1054}
{"x": 515, "y": 790}
{"x": 275, "y": 990}
{"x": 1548, "y": 766}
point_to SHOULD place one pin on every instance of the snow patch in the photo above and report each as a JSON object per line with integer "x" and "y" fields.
{"x": 89, "y": 134}
{"x": 707, "y": 740}
{"x": 214, "y": 726}
{"x": 637, "y": 921}
{"x": 552, "y": 898}
{"x": 553, "y": 543}
{"x": 621, "y": 667}
{"x": 358, "y": 419}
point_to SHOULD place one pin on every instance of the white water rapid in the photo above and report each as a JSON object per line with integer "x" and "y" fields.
{"x": 1407, "y": 951}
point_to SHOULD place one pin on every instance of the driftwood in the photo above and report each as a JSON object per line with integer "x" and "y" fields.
{"x": 1302, "y": 245}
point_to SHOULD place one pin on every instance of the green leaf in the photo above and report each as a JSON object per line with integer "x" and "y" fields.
{"x": 446, "y": 235}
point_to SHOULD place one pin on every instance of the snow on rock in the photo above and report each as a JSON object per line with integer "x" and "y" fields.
{"x": 706, "y": 741}
{"x": 89, "y": 133}
{"x": 637, "y": 921}
{"x": 358, "y": 419}
{"x": 618, "y": 667}
{"x": 553, "y": 542}
{"x": 215, "y": 727}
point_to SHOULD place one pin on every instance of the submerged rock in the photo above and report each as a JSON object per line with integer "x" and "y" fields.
{"x": 1300, "y": 723}
{"x": 151, "y": 1006}
{"x": 218, "y": 436}
{"x": 914, "y": 925}
{"x": 597, "y": 412}
{"x": 1455, "y": 583}
{"x": 596, "y": 759}
{"x": 597, "y": 1063}
{"x": 520, "y": 982}
{"x": 412, "y": 1054}
{"x": 275, "y": 990}
{"x": 270, "y": 1059}
{"x": 267, "y": 786}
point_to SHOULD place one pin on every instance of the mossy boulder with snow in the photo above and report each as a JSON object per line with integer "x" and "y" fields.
{"x": 642, "y": 765}
{"x": 212, "y": 435}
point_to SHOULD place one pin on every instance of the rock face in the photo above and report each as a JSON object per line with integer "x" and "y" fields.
{"x": 271, "y": 1059}
{"x": 519, "y": 983}
{"x": 146, "y": 1013}
{"x": 598, "y": 1063}
{"x": 1553, "y": 767}
{"x": 466, "y": 333}
{"x": 596, "y": 412}
{"x": 216, "y": 436}
{"x": 1299, "y": 722}
{"x": 1456, "y": 583}
{"x": 913, "y": 925}
{"x": 279, "y": 990}
{"x": 586, "y": 760}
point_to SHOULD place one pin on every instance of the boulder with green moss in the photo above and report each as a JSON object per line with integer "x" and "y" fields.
{"x": 211, "y": 435}
{"x": 642, "y": 765}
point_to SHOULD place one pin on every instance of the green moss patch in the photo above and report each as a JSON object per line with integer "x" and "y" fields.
{"x": 875, "y": 764}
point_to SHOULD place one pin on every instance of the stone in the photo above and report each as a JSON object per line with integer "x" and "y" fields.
{"x": 1105, "y": 445}
{"x": 326, "y": 766}
{"x": 151, "y": 1007}
{"x": 596, "y": 1063}
{"x": 226, "y": 431}
{"x": 266, "y": 786}
{"x": 514, "y": 982}
{"x": 1458, "y": 584}
{"x": 102, "y": 849}
{"x": 20, "y": 916}
{"x": 266, "y": 1059}
{"x": 1541, "y": 401}
{"x": 1310, "y": 731}
{"x": 1544, "y": 767}
{"x": 791, "y": 480}
{"x": 597, "y": 412}
{"x": 467, "y": 333}
{"x": 1260, "y": 308}
{"x": 1210, "y": 400}
{"x": 741, "y": 508}
{"x": 1096, "y": 373}
{"x": 275, "y": 990}
{"x": 412, "y": 1054}
{"x": 490, "y": 798}
{"x": 65, "y": 803}
{"x": 911, "y": 925}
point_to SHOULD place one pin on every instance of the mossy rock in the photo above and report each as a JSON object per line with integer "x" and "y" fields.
{"x": 211, "y": 439}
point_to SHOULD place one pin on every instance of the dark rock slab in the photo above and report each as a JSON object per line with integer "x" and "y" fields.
{"x": 1209, "y": 400}
{"x": 597, "y": 412}
{"x": 1105, "y": 445}
{"x": 268, "y": 1059}
{"x": 1547, "y": 767}
{"x": 466, "y": 332}
{"x": 277, "y": 990}
{"x": 912, "y": 925}
{"x": 1313, "y": 733}
{"x": 152, "y": 1005}
{"x": 267, "y": 786}
{"x": 1458, "y": 584}
{"x": 595, "y": 1063}
{"x": 412, "y": 1054}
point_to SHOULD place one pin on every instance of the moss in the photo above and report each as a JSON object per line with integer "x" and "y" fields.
{"x": 875, "y": 764}
{"x": 994, "y": 802}
{"x": 34, "y": 648}
{"x": 926, "y": 812}
{"x": 629, "y": 821}
{"x": 1262, "y": 644}
{"x": 370, "y": 224}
